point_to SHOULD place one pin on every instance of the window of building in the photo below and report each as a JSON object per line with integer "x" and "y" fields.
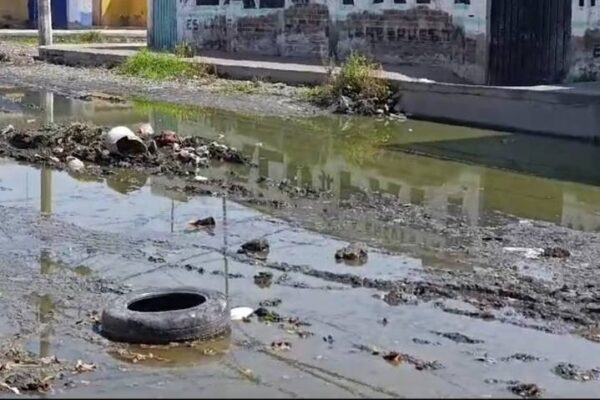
{"x": 207, "y": 2}
{"x": 272, "y": 3}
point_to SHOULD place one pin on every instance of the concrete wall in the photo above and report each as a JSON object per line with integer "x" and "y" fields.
{"x": 13, "y": 13}
{"x": 585, "y": 44}
{"x": 119, "y": 13}
{"x": 441, "y": 33}
{"x": 79, "y": 13}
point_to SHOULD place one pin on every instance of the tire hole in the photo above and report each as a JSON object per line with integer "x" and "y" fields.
{"x": 167, "y": 302}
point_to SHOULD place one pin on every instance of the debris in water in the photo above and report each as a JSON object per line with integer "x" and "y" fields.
{"x": 270, "y": 302}
{"x": 267, "y": 316}
{"x": 145, "y": 130}
{"x": 263, "y": 279}
{"x": 82, "y": 367}
{"x": 393, "y": 358}
{"x": 328, "y": 339}
{"x": 354, "y": 253}
{"x": 521, "y": 357}
{"x": 556, "y": 252}
{"x": 239, "y": 313}
{"x": 121, "y": 140}
{"x": 425, "y": 341}
{"x": 75, "y": 164}
{"x": 526, "y": 390}
{"x": 135, "y": 357}
{"x": 457, "y": 337}
{"x": 8, "y": 129}
{"x": 203, "y": 222}
{"x": 257, "y": 248}
{"x": 576, "y": 373}
{"x": 281, "y": 345}
{"x": 200, "y": 178}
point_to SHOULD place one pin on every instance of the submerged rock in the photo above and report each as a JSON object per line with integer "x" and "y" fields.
{"x": 356, "y": 252}
{"x": 255, "y": 246}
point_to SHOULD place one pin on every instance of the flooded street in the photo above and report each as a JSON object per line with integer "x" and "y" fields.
{"x": 439, "y": 283}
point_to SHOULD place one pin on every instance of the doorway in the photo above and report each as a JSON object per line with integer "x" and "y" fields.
{"x": 529, "y": 42}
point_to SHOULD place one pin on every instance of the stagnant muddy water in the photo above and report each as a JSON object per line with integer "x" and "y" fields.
{"x": 70, "y": 242}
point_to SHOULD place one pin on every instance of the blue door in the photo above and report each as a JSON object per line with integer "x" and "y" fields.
{"x": 162, "y": 35}
{"x": 58, "y": 8}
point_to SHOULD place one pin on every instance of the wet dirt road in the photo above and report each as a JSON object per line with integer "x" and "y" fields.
{"x": 69, "y": 245}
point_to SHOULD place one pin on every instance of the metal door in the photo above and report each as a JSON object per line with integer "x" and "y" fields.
{"x": 162, "y": 32}
{"x": 529, "y": 41}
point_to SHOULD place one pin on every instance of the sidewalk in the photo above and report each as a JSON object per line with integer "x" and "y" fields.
{"x": 130, "y": 33}
{"x": 563, "y": 110}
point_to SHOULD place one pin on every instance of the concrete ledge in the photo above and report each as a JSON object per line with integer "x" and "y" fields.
{"x": 130, "y": 33}
{"x": 569, "y": 111}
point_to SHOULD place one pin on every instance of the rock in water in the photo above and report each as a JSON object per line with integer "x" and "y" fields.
{"x": 355, "y": 252}
{"x": 256, "y": 246}
{"x": 75, "y": 164}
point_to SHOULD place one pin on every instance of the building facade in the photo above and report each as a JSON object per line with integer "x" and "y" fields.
{"x": 482, "y": 41}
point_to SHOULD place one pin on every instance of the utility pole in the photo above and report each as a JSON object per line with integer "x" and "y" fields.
{"x": 44, "y": 23}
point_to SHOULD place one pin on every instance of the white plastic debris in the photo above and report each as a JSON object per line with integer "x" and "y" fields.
{"x": 239, "y": 313}
{"x": 527, "y": 252}
{"x": 7, "y": 130}
{"x": 145, "y": 130}
{"x": 200, "y": 178}
{"x": 75, "y": 164}
{"x": 121, "y": 140}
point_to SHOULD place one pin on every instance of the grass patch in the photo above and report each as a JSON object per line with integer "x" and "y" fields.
{"x": 161, "y": 66}
{"x": 359, "y": 80}
{"x": 243, "y": 87}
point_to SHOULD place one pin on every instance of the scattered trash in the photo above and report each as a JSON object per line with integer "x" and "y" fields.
{"x": 527, "y": 252}
{"x": 384, "y": 321}
{"x": 393, "y": 358}
{"x": 328, "y": 339}
{"x": 8, "y": 129}
{"x": 354, "y": 253}
{"x": 556, "y": 252}
{"x": 11, "y": 388}
{"x": 200, "y": 178}
{"x": 257, "y": 248}
{"x": 203, "y": 222}
{"x": 74, "y": 164}
{"x": 121, "y": 140}
{"x": 270, "y": 303}
{"x": 267, "y": 316}
{"x": 281, "y": 346}
{"x": 135, "y": 357}
{"x": 526, "y": 390}
{"x": 239, "y": 313}
{"x": 145, "y": 130}
{"x": 576, "y": 373}
{"x": 167, "y": 138}
{"x": 82, "y": 367}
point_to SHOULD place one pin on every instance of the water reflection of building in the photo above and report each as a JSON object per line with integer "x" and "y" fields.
{"x": 316, "y": 159}
{"x": 315, "y": 154}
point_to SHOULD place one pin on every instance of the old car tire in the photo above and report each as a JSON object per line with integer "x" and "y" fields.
{"x": 165, "y": 315}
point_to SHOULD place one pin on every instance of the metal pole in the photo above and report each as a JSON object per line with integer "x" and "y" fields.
{"x": 44, "y": 23}
{"x": 225, "y": 260}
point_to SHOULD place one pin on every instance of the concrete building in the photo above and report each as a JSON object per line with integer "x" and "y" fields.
{"x": 481, "y": 41}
